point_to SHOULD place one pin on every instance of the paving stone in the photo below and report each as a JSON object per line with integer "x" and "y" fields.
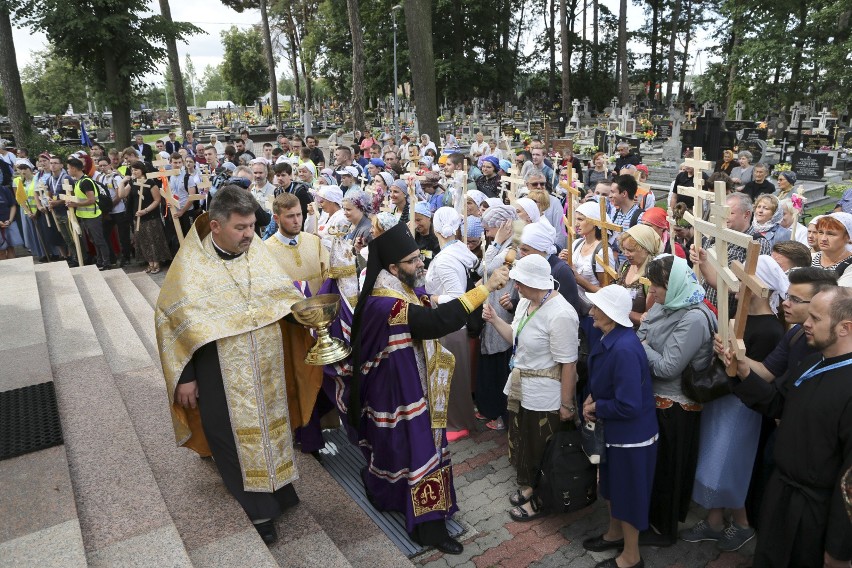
{"x": 479, "y": 473}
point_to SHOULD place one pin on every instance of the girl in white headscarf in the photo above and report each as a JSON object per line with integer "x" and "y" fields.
{"x": 446, "y": 280}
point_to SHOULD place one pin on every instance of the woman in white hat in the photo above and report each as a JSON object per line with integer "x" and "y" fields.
{"x": 541, "y": 388}
{"x": 621, "y": 398}
{"x": 587, "y": 246}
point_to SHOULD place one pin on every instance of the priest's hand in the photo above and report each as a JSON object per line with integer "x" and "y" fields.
{"x": 498, "y": 279}
{"x": 186, "y": 394}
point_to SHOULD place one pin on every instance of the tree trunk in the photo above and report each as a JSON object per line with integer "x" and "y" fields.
{"x": 732, "y": 70}
{"x": 551, "y": 36}
{"x": 672, "y": 43}
{"x": 624, "y": 83}
{"x": 595, "y": 44}
{"x": 798, "y": 51}
{"x": 685, "y": 59}
{"x": 270, "y": 61}
{"x": 10, "y": 78}
{"x": 118, "y": 93}
{"x": 358, "y": 65}
{"x": 174, "y": 67}
{"x": 294, "y": 66}
{"x": 585, "y": 50}
{"x": 422, "y": 59}
{"x": 517, "y": 44}
{"x": 566, "y": 57}
{"x": 309, "y": 91}
{"x": 655, "y": 40}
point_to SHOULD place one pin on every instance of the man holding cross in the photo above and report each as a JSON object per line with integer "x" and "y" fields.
{"x": 739, "y": 219}
{"x": 88, "y": 213}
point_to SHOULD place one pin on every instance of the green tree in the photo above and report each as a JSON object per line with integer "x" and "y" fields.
{"x": 112, "y": 44}
{"x": 244, "y": 65}
{"x": 47, "y": 89}
{"x": 213, "y": 86}
{"x": 10, "y": 79}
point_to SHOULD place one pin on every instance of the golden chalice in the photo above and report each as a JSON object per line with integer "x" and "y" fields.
{"x": 317, "y": 313}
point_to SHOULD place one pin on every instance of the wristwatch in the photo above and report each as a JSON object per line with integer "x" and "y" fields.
{"x": 569, "y": 408}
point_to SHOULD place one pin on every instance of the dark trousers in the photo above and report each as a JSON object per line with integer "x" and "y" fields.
{"x": 121, "y": 221}
{"x": 94, "y": 228}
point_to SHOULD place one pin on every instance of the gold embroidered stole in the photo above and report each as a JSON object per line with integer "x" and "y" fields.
{"x": 308, "y": 260}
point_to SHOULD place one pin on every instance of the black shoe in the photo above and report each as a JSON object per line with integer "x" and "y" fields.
{"x": 317, "y": 455}
{"x": 42, "y": 260}
{"x": 598, "y": 544}
{"x": 651, "y": 538}
{"x": 72, "y": 263}
{"x": 611, "y": 563}
{"x": 450, "y": 546}
{"x": 266, "y": 530}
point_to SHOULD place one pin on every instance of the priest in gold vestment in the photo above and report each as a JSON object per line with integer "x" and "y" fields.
{"x": 302, "y": 256}
{"x": 219, "y": 332}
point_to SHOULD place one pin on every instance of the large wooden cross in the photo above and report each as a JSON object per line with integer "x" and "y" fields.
{"x": 75, "y": 230}
{"x": 753, "y": 285}
{"x": 609, "y": 272}
{"x": 412, "y": 203}
{"x": 512, "y": 182}
{"x": 140, "y": 183}
{"x": 699, "y": 195}
{"x": 172, "y": 203}
{"x": 464, "y": 203}
{"x": 573, "y": 195}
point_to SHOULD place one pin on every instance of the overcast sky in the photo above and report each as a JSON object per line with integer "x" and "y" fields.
{"x": 213, "y": 17}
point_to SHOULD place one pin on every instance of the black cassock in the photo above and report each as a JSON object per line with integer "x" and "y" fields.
{"x": 803, "y": 515}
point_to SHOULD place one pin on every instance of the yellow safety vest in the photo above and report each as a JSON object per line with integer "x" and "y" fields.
{"x": 89, "y": 211}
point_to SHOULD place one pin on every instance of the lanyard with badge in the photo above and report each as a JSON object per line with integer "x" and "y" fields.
{"x": 813, "y": 372}
{"x": 521, "y": 326}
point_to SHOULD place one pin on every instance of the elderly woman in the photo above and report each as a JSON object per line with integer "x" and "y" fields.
{"x": 639, "y": 244}
{"x": 766, "y": 219}
{"x": 743, "y": 173}
{"x": 307, "y": 173}
{"x": 446, "y": 280}
{"x": 786, "y": 181}
{"x": 833, "y": 238}
{"x": 677, "y": 331}
{"x": 356, "y": 209}
{"x": 798, "y": 232}
{"x": 220, "y": 148}
{"x": 598, "y": 172}
{"x": 527, "y": 210}
{"x": 426, "y": 144}
{"x": 726, "y": 164}
{"x": 423, "y": 233}
{"x": 622, "y": 399}
{"x": 493, "y": 365}
{"x": 541, "y": 388}
{"x": 150, "y": 237}
{"x": 724, "y": 469}
{"x": 489, "y": 182}
{"x": 474, "y": 235}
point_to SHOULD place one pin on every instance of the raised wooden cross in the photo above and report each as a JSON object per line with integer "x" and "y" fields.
{"x": 573, "y": 195}
{"x": 412, "y": 202}
{"x": 464, "y": 203}
{"x": 699, "y": 195}
{"x": 753, "y": 285}
{"x": 141, "y": 184}
{"x": 75, "y": 230}
{"x": 609, "y": 272}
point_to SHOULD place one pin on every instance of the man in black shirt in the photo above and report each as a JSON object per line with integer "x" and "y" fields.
{"x": 625, "y": 158}
{"x": 317, "y": 156}
{"x": 759, "y": 184}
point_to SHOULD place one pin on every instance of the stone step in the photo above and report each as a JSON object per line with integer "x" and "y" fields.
{"x": 149, "y": 289}
{"x": 214, "y": 529}
{"x": 123, "y": 518}
{"x": 40, "y": 525}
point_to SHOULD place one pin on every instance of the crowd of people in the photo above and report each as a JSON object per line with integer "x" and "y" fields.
{"x": 558, "y": 340}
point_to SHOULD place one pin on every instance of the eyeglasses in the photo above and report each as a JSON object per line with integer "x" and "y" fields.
{"x": 795, "y": 299}
{"x": 536, "y": 183}
{"x": 419, "y": 257}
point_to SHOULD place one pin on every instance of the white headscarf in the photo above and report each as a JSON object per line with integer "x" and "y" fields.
{"x": 477, "y": 196}
{"x": 591, "y": 210}
{"x": 498, "y": 215}
{"x": 538, "y": 236}
{"x": 531, "y": 207}
{"x": 773, "y": 276}
{"x": 446, "y": 222}
{"x": 493, "y": 201}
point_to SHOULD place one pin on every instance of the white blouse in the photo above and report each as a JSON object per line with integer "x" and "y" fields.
{"x": 447, "y": 274}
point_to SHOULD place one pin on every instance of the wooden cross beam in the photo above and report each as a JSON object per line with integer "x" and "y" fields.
{"x": 174, "y": 206}
{"x": 513, "y": 183}
{"x": 203, "y": 187}
{"x": 571, "y": 198}
{"x": 412, "y": 202}
{"x": 42, "y": 195}
{"x": 699, "y": 195}
{"x": 464, "y": 203}
{"x": 75, "y": 230}
{"x": 141, "y": 184}
{"x": 609, "y": 272}
{"x": 753, "y": 285}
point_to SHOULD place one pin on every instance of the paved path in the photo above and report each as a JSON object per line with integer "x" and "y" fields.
{"x": 484, "y": 480}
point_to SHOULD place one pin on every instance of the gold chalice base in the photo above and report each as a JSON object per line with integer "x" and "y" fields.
{"x": 317, "y": 313}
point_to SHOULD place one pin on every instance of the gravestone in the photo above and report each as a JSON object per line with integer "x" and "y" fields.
{"x": 518, "y": 115}
{"x": 536, "y": 128}
{"x": 562, "y": 145}
{"x": 687, "y": 137}
{"x": 633, "y": 142}
{"x": 672, "y": 150}
{"x": 600, "y": 139}
{"x": 663, "y": 128}
{"x": 756, "y": 147}
{"x": 809, "y": 166}
{"x": 813, "y": 142}
{"x": 847, "y": 139}
{"x": 754, "y": 134}
{"x": 707, "y": 134}
{"x": 738, "y": 124}
{"x": 727, "y": 140}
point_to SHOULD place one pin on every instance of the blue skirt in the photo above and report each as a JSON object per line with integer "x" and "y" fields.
{"x": 727, "y": 446}
{"x": 626, "y": 481}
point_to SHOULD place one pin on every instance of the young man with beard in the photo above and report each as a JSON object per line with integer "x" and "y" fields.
{"x": 402, "y": 430}
{"x": 803, "y": 521}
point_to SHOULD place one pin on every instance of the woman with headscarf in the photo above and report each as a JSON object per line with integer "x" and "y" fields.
{"x": 446, "y": 280}
{"x": 475, "y": 199}
{"x": 541, "y": 388}
{"x": 813, "y": 238}
{"x": 423, "y": 233}
{"x": 398, "y": 195}
{"x": 527, "y": 210}
{"x": 798, "y": 232}
{"x": 150, "y": 237}
{"x": 489, "y": 182}
{"x": 639, "y": 244}
{"x": 493, "y": 365}
{"x": 426, "y": 144}
{"x": 786, "y": 181}
{"x": 730, "y": 431}
{"x": 834, "y": 237}
{"x": 307, "y": 172}
{"x": 677, "y": 331}
{"x": 726, "y": 164}
{"x": 622, "y": 399}
{"x": 356, "y": 209}
{"x": 766, "y": 218}
{"x": 656, "y": 218}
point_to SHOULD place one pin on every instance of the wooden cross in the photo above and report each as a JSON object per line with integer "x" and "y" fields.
{"x": 464, "y": 203}
{"x": 41, "y": 194}
{"x": 362, "y": 178}
{"x": 174, "y": 206}
{"x": 141, "y": 184}
{"x": 699, "y": 195}
{"x": 573, "y": 194}
{"x": 75, "y": 230}
{"x": 412, "y": 202}
{"x": 689, "y": 115}
{"x": 513, "y": 182}
{"x": 753, "y": 285}
{"x": 609, "y": 272}
{"x": 203, "y": 187}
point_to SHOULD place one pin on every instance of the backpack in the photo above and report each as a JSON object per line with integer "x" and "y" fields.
{"x": 104, "y": 200}
{"x": 635, "y": 217}
{"x": 567, "y": 480}
{"x": 841, "y": 268}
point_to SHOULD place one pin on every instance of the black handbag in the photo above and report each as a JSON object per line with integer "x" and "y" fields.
{"x": 594, "y": 445}
{"x": 566, "y": 480}
{"x": 709, "y": 384}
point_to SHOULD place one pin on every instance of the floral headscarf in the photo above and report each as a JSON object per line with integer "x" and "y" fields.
{"x": 683, "y": 289}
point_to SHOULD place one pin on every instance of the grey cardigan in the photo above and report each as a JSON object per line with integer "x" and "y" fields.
{"x": 673, "y": 339}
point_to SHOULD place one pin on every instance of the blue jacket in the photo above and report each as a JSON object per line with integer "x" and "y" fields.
{"x": 620, "y": 383}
